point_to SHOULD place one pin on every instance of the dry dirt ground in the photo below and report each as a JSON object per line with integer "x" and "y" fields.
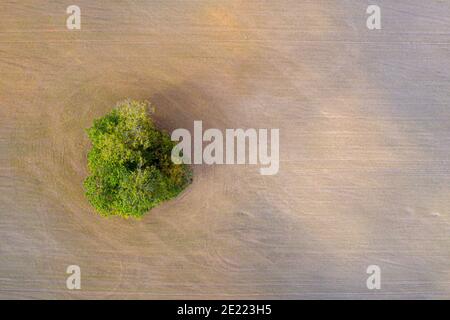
{"x": 364, "y": 120}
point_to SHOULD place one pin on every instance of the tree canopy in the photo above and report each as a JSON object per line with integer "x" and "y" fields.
{"x": 130, "y": 164}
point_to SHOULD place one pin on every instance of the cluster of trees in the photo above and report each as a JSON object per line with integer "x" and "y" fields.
{"x": 130, "y": 164}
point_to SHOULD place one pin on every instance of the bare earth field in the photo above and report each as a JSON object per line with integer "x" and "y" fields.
{"x": 364, "y": 120}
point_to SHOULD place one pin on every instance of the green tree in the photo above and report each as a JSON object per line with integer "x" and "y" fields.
{"x": 130, "y": 164}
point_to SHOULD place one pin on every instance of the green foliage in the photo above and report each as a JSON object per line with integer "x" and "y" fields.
{"x": 130, "y": 164}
